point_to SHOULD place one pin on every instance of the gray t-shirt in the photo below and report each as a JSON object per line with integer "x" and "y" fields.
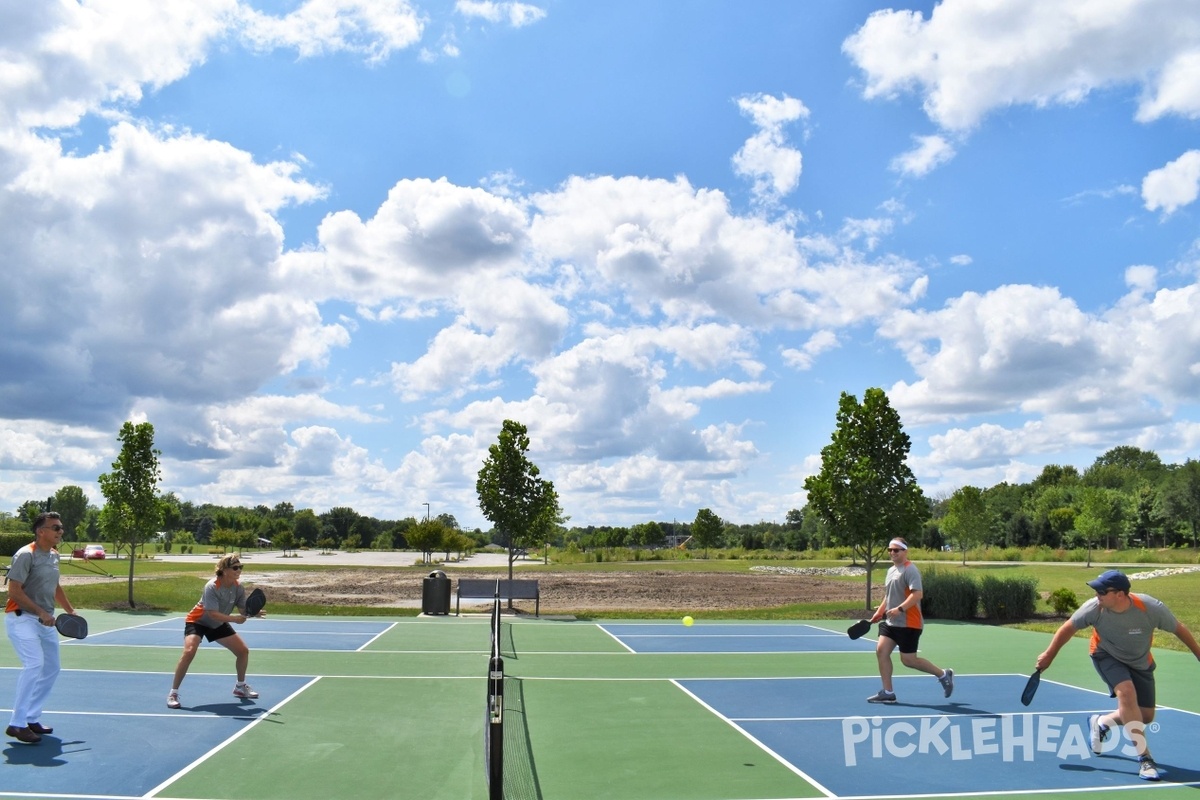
{"x": 900, "y": 584}
{"x": 37, "y": 572}
{"x": 1125, "y": 636}
{"x": 223, "y": 599}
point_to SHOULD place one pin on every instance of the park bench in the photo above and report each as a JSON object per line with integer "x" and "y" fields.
{"x": 505, "y": 589}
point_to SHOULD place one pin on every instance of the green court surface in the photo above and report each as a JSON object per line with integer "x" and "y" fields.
{"x": 586, "y": 718}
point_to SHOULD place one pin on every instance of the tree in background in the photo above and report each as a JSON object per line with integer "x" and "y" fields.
{"x": 1100, "y": 517}
{"x": 518, "y": 502}
{"x": 306, "y": 526}
{"x": 1180, "y": 497}
{"x": 865, "y": 490}
{"x": 71, "y": 504}
{"x": 707, "y": 529}
{"x": 427, "y": 536}
{"x": 132, "y": 512}
{"x": 967, "y": 520}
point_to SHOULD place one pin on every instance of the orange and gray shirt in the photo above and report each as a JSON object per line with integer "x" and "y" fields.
{"x": 37, "y": 572}
{"x": 1128, "y": 635}
{"x": 217, "y": 598}
{"x": 901, "y": 582}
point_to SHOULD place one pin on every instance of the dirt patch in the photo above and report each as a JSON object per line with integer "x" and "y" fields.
{"x": 575, "y": 591}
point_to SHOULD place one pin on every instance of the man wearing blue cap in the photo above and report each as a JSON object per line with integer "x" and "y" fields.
{"x": 1123, "y": 626}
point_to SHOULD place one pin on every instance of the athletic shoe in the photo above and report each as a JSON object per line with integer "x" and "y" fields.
{"x": 1099, "y": 734}
{"x": 1147, "y": 769}
{"x": 244, "y": 691}
{"x": 39, "y": 728}
{"x": 22, "y": 735}
{"x": 947, "y": 682}
{"x": 173, "y": 700}
{"x": 882, "y": 696}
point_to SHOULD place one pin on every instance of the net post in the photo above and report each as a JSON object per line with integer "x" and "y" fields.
{"x": 494, "y": 723}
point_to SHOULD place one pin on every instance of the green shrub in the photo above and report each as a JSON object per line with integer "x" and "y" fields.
{"x": 1063, "y": 601}
{"x": 1008, "y": 598}
{"x": 10, "y": 543}
{"x": 948, "y": 595}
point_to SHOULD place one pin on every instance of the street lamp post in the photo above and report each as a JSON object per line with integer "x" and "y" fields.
{"x": 426, "y": 511}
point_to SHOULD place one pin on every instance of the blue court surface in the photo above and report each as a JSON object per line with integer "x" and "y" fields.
{"x": 980, "y": 740}
{"x": 259, "y": 634}
{"x": 114, "y": 737}
{"x": 733, "y": 638}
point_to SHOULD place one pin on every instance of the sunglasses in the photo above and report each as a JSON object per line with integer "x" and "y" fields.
{"x": 895, "y": 550}
{"x": 54, "y": 527}
{"x": 1102, "y": 593}
{"x": 237, "y": 567}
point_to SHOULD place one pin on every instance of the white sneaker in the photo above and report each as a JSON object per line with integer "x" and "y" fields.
{"x": 882, "y": 696}
{"x": 1147, "y": 769}
{"x": 947, "y": 682}
{"x": 1099, "y": 734}
{"x": 243, "y": 690}
{"x": 173, "y": 700}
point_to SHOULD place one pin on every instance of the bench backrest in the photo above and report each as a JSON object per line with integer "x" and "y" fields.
{"x": 515, "y": 589}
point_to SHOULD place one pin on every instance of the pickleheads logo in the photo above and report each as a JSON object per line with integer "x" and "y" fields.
{"x": 1015, "y": 737}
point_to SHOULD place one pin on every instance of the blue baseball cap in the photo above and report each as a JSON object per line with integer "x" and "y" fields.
{"x": 1113, "y": 579}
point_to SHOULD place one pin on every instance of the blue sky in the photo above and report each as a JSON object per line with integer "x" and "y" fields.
{"x": 327, "y": 247}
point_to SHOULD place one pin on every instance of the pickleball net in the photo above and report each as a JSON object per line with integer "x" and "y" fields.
{"x": 508, "y": 754}
{"x": 493, "y": 723}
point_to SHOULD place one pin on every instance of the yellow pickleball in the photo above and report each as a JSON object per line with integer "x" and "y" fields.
{"x": 688, "y": 621}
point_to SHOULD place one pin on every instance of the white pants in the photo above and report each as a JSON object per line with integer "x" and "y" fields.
{"x": 37, "y": 648}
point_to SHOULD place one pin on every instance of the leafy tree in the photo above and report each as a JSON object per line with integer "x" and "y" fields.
{"x": 339, "y": 522}
{"x": 427, "y": 536}
{"x": 967, "y": 521}
{"x": 1145, "y": 518}
{"x": 1125, "y": 468}
{"x": 132, "y": 512}
{"x": 71, "y": 504}
{"x": 707, "y": 529}
{"x": 1101, "y": 514}
{"x": 307, "y": 527}
{"x": 225, "y": 539}
{"x": 1179, "y": 498}
{"x": 285, "y": 540}
{"x": 865, "y": 490}
{"x": 172, "y": 512}
{"x": 512, "y": 495}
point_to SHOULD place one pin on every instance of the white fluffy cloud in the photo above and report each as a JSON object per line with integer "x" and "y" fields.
{"x": 766, "y": 157}
{"x": 968, "y": 58}
{"x": 1174, "y": 185}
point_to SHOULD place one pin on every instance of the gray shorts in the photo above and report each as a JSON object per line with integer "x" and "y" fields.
{"x": 1113, "y": 672}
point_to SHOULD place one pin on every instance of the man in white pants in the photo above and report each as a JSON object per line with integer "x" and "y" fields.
{"x": 33, "y": 590}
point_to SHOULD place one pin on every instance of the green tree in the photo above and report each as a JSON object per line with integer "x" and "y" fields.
{"x": 707, "y": 529}
{"x": 427, "y": 536}
{"x": 306, "y": 526}
{"x": 1180, "y": 497}
{"x": 71, "y": 504}
{"x": 865, "y": 490}
{"x": 132, "y": 512}
{"x": 339, "y": 522}
{"x": 512, "y": 495}
{"x": 1100, "y": 516}
{"x": 967, "y": 520}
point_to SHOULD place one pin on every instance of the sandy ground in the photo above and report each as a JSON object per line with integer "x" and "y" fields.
{"x": 561, "y": 592}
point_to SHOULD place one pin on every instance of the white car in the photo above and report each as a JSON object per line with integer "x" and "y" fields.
{"x": 95, "y": 551}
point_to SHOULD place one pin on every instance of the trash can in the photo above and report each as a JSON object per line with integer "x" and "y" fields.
{"x": 435, "y": 594}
